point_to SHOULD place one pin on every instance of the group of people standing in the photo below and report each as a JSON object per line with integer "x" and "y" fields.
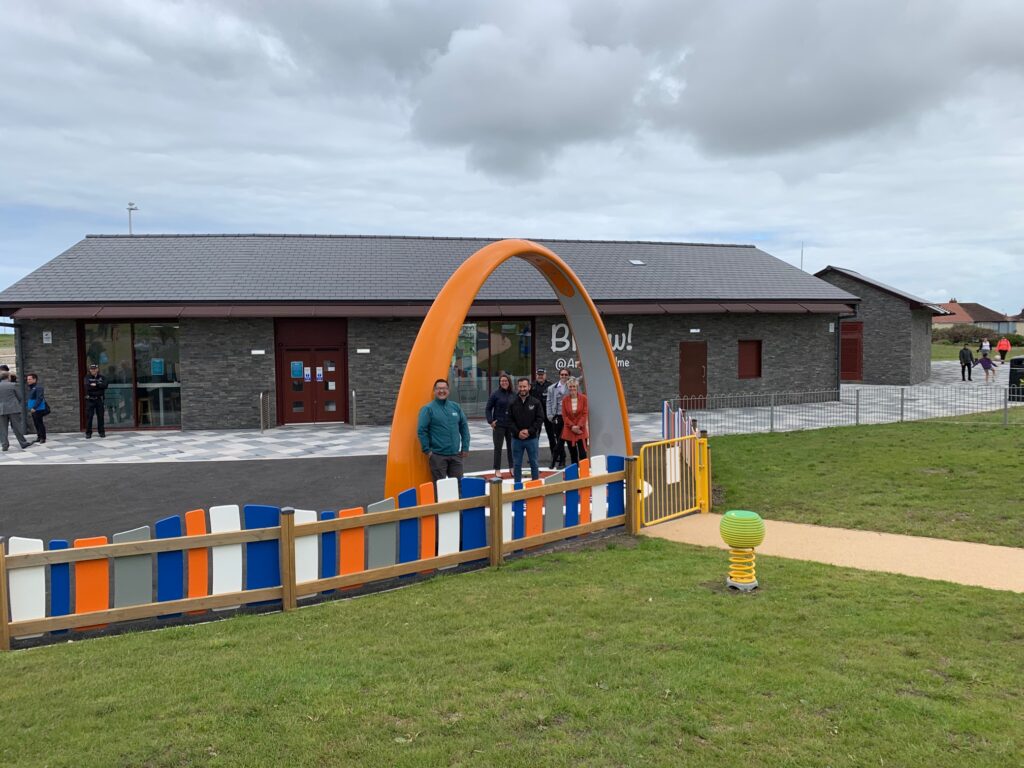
{"x": 10, "y": 408}
{"x": 968, "y": 361}
{"x": 517, "y": 417}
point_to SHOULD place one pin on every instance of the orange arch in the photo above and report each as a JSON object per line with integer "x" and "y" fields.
{"x": 431, "y": 356}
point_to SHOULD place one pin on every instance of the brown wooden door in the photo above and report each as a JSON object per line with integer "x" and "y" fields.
{"x": 851, "y": 351}
{"x": 693, "y": 373}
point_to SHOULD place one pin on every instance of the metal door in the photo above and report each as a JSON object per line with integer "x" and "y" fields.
{"x": 693, "y": 373}
{"x": 329, "y": 386}
{"x": 296, "y": 379}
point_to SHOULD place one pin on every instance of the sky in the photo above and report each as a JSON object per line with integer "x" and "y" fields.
{"x": 881, "y": 136}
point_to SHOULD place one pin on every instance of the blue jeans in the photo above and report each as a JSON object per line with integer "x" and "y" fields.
{"x": 530, "y": 446}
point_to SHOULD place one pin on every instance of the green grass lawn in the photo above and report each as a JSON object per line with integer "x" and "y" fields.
{"x": 951, "y": 481}
{"x": 623, "y": 656}
{"x": 943, "y": 351}
{"x": 6, "y": 342}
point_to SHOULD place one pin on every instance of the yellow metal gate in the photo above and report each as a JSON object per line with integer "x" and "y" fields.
{"x": 674, "y": 479}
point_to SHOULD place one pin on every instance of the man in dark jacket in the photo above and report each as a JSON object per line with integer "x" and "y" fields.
{"x": 95, "y": 391}
{"x": 526, "y": 415}
{"x": 966, "y": 363}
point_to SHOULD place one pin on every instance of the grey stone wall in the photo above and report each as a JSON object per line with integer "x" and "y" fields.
{"x": 920, "y": 345}
{"x": 798, "y": 353}
{"x": 57, "y": 367}
{"x": 220, "y": 377}
{"x": 377, "y": 375}
{"x": 897, "y": 340}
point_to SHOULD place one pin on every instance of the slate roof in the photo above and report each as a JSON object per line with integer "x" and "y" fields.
{"x": 337, "y": 268}
{"x": 914, "y": 301}
{"x": 966, "y": 312}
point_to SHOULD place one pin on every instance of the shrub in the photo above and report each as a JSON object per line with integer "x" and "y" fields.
{"x": 972, "y": 334}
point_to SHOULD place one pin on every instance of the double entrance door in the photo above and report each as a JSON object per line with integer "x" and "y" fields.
{"x": 314, "y": 385}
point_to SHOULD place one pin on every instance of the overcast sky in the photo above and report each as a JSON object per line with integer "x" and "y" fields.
{"x": 886, "y": 136}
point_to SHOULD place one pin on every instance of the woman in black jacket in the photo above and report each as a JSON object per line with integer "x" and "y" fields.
{"x": 497, "y": 416}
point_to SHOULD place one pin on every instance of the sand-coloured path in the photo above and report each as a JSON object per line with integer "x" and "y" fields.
{"x": 962, "y": 562}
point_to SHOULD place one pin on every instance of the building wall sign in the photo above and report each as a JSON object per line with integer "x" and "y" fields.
{"x": 562, "y": 341}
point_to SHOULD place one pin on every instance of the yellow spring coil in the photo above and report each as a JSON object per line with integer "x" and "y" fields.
{"x": 741, "y": 565}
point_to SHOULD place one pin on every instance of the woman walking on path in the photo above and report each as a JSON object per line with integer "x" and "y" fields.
{"x": 1003, "y": 347}
{"x": 37, "y": 405}
{"x": 988, "y": 365}
{"x": 575, "y": 412}
{"x": 496, "y": 414}
{"x": 985, "y": 346}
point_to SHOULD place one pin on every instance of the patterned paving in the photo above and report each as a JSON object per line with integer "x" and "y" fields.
{"x": 943, "y": 394}
{"x": 293, "y": 442}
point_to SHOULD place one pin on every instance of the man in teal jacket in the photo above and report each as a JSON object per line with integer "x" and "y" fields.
{"x": 443, "y": 431}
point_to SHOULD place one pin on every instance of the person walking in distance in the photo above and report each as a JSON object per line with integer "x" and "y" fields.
{"x": 10, "y": 412}
{"x": 1003, "y": 348}
{"x": 539, "y": 389}
{"x": 443, "y": 431}
{"x": 556, "y": 393}
{"x": 497, "y": 416}
{"x": 37, "y": 406}
{"x": 526, "y": 415}
{"x": 95, "y": 392}
{"x": 966, "y": 363}
{"x": 575, "y": 412}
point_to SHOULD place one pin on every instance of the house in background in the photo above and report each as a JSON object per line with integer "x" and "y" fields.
{"x": 889, "y": 340}
{"x": 969, "y": 313}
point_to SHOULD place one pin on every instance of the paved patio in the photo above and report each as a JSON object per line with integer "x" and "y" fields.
{"x": 876, "y": 404}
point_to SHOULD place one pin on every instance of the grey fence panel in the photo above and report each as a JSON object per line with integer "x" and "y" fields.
{"x": 852, "y": 405}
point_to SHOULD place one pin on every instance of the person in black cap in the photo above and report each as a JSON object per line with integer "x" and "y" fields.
{"x": 95, "y": 391}
{"x": 539, "y": 389}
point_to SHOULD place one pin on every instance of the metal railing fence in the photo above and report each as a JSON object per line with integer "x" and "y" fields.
{"x": 980, "y": 404}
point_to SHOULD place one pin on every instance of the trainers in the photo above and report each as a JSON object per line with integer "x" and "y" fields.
{"x": 88, "y": 436}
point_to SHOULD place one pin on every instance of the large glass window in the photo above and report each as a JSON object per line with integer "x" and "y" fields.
{"x": 140, "y": 363}
{"x": 483, "y": 351}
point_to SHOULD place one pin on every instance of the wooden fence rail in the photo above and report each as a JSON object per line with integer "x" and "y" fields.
{"x": 274, "y": 574}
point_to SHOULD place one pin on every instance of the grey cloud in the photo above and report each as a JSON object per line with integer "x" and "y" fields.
{"x": 515, "y": 97}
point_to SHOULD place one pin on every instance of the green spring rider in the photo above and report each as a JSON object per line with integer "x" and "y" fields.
{"x": 742, "y": 531}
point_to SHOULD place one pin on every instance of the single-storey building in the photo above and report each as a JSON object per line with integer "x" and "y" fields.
{"x": 189, "y": 330}
{"x": 971, "y": 313}
{"x": 889, "y": 340}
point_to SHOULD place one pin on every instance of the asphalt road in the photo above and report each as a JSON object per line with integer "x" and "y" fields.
{"x": 67, "y": 501}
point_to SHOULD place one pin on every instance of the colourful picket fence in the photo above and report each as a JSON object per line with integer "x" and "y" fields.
{"x": 258, "y": 555}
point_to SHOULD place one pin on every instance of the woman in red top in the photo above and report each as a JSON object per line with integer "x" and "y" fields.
{"x": 1002, "y": 348}
{"x": 574, "y": 419}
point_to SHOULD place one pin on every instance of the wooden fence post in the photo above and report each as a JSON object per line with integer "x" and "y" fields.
{"x": 632, "y": 489}
{"x": 288, "y": 600}
{"x": 5, "y": 629}
{"x": 497, "y": 523}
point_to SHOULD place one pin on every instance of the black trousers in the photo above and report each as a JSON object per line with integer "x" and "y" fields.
{"x": 37, "y": 419}
{"x": 502, "y": 435}
{"x": 94, "y": 407}
{"x": 555, "y": 441}
{"x": 577, "y": 450}
{"x": 965, "y": 369}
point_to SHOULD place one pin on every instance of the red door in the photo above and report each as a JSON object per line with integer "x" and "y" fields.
{"x": 851, "y": 351}
{"x": 315, "y": 384}
{"x": 693, "y": 373}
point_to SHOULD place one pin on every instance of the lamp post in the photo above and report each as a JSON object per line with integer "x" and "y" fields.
{"x": 131, "y": 207}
